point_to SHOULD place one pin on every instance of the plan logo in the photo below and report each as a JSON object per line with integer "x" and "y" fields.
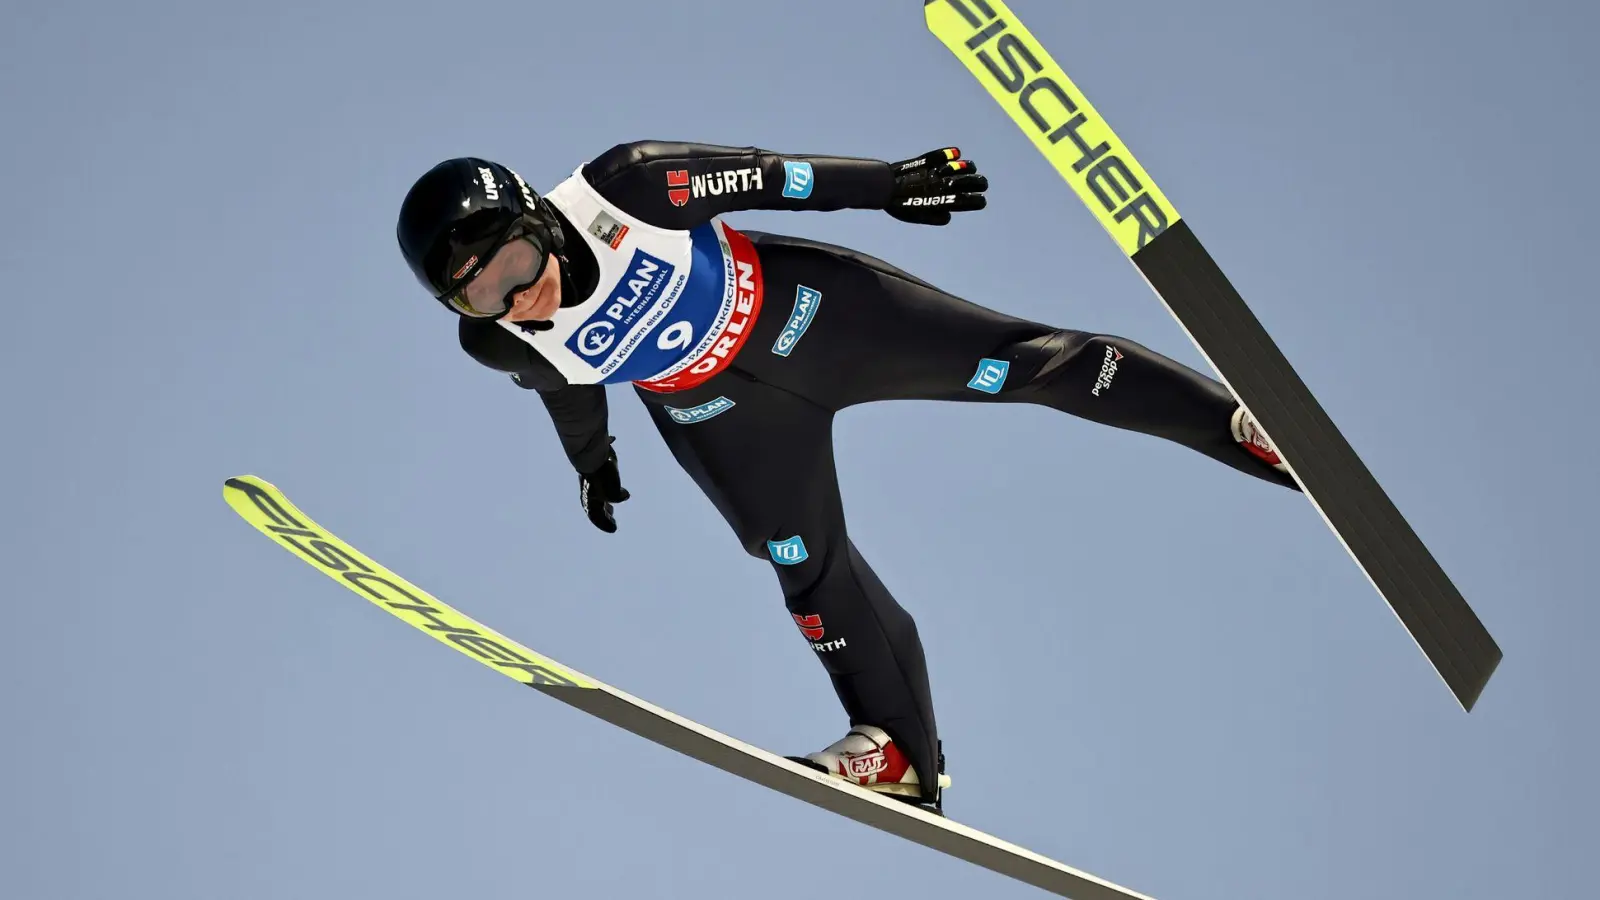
{"x": 638, "y": 290}
{"x": 700, "y": 413}
{"x": 806, "y": 301}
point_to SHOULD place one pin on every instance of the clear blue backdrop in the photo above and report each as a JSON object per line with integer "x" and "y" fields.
{"x": 1146, "y": 665}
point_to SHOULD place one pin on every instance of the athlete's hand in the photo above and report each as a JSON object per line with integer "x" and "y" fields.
{"x": 928, "y": 188}
{"x": 599, "y": 489}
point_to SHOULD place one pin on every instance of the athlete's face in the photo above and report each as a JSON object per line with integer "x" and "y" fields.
{"x": 541, "y": 300}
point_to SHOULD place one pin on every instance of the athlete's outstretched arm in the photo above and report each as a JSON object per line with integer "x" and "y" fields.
{"x": 680, "y": 185}
{"x": 578, "y": 411}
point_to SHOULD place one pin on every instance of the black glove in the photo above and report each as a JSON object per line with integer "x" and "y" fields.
{"x": 928, "y": 188}
{"x": 599, "y": 489}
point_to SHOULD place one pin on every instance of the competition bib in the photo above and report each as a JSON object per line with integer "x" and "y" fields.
{"x": 671, "y": 308}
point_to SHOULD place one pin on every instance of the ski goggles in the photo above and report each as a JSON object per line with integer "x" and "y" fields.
{"x": 515, "y": 266}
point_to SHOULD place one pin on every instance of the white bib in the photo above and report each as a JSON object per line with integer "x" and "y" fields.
{"x": 670, "y": 309}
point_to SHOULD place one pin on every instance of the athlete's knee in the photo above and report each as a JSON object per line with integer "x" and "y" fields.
{"x": 788, "y": 550}
{"x": 755, "y": 542}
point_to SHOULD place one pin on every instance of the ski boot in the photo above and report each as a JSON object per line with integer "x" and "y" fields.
{"x": 1252, "y": 438}
{"x": 868, "y": 757}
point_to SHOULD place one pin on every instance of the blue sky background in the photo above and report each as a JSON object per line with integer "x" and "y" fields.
{"x": 1145, "y": 665}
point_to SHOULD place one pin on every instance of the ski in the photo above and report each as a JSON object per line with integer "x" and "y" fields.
{"x": 264, "y": 506}
{"x": 1044, "y": 103}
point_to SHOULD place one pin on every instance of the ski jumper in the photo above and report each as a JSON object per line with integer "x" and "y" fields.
{"x": 823, "y": 328}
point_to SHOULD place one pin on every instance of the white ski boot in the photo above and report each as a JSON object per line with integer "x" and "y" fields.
{"x": 1250, "y": 435}
{"x": 868, "y": 757}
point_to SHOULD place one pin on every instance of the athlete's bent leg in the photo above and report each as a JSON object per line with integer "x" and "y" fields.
{"x": 765, "y": 459}
{"x": 1117, "y": 382}
{"x": 874, "y": 332}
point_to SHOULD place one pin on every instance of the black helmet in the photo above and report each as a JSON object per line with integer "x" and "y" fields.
{"x": 459, "y": 213}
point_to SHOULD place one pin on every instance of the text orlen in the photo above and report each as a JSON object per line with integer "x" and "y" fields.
{"x": 744, "y": 299}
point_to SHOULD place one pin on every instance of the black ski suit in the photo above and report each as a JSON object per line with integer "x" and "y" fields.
{"x": 757, "y": 437}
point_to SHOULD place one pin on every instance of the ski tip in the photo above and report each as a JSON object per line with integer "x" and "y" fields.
{"x": 247, "y": 484}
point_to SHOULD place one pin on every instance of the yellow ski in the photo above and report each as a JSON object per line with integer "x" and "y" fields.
{"x": 265, "y": 507}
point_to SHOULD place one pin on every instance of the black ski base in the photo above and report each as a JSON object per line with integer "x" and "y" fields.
{"x": 1334, "y": 478}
